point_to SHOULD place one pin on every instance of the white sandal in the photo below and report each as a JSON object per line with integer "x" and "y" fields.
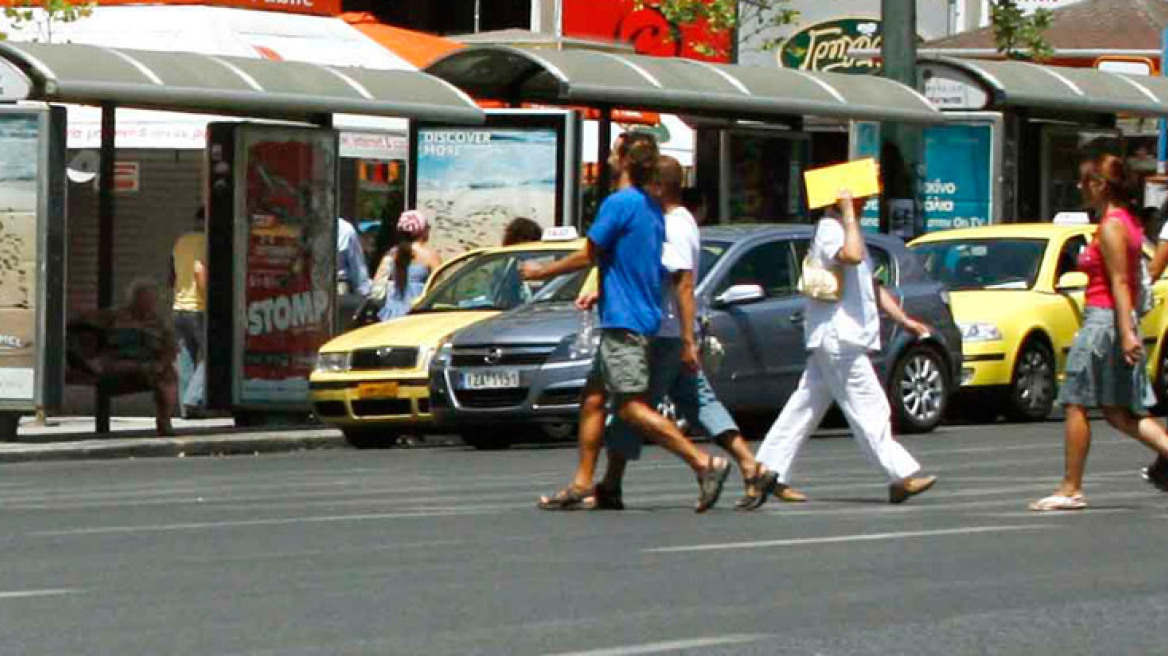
{"x": 1057, "y": 502}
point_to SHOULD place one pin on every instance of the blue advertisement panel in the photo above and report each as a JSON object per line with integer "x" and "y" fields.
{"x": 958, "y": 174}
{"x": 866, "y": 143}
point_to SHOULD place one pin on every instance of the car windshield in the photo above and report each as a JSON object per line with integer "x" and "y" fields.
{"x": 712, "y": 251}
{"x": 983, "y": 263}
{"x": 488, "y": 282}
{"x": 562, "y": 289}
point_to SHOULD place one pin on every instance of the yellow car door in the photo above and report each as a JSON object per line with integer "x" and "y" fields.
{"x": 1068, "y": 314}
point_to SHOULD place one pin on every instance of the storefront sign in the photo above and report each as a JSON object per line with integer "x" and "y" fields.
{"x": 826, "y": 46}
{"x": 958, "y": 164}
{"x": 317, "y": 7}
{"x": 949, "y": 88}
{"x": 646, "y": 30}
{"x": 473, "y": 182}
{"x": 288, "y": 242}
{"x": 127, "y": 177}
{"x": 375, "y": 145}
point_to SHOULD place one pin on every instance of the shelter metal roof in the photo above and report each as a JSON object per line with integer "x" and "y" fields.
{"x": 676, "y": 85}
{"x": 1022, "y": 84}
{"x": 86, "y": 74}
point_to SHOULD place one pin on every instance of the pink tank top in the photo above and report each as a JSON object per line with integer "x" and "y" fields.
{"x": 1098, "y": 292}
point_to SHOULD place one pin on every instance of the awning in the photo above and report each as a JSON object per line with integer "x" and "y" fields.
{"x": 676, "y": 85}
{"x": 227, "y": 85}
{"x": 418, "y": 48}
{"x": 1022, "y": 84}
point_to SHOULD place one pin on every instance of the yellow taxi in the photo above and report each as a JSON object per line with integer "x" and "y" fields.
{"x": 372, "y": 382}
{"x": 1018, "y": 299}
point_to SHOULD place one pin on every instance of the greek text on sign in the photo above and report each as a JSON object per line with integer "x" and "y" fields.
{"x": 949, "y": 88}
{"x": 826, "y": 46}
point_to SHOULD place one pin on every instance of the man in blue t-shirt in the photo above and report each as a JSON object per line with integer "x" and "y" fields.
{"x": 625, "y": 242}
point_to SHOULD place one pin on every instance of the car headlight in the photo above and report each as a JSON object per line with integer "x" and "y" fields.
{"x": 443, "y": 354}
{"x": 572, "y": 349}
{"x": 332, "y": 362}
{"x": 979, "y": 331}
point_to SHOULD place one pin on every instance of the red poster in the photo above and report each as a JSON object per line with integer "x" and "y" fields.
{"x": 647, "y": 30}
{"x": 289, "y": 206}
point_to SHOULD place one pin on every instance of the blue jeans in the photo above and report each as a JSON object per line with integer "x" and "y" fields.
{"x": 691, "y": 393}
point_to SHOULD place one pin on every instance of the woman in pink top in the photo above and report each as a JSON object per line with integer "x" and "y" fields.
{"x": 1106, "y": 366}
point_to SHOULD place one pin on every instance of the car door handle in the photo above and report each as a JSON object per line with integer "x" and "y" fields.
{"x": 796, "y": 317}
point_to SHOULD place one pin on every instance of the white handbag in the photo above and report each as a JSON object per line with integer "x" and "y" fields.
{"x": 819, "y": 282}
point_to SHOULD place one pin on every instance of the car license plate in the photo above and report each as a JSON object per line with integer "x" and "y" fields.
{"x": 483, "y": 380}
{"x": 376, "y": 390}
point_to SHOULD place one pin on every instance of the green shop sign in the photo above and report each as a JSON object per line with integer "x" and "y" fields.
{"x": 825, "y": 46}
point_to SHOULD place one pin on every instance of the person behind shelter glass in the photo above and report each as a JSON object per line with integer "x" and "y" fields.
{"x": 188, "y": 278}
{"x": 406, "y": 267}
{"x": 626, "y": 243}
{"x": 521, "y": 230}
{"x": 839, "y": 335}
{"x": 1106, "y": 366}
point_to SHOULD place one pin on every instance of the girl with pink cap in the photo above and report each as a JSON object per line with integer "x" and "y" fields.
{"x": 406, "y": 267}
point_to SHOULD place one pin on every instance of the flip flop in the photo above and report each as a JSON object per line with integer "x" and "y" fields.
{"x": 1057, "y": 502}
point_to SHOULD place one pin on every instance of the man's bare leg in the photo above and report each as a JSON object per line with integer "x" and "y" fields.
{"x": 590, "y": 439}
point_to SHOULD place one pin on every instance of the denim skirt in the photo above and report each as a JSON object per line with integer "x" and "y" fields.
{"x": 1097, "y": 373}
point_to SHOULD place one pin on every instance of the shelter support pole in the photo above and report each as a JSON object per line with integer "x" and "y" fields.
{"x": 1162, "y": 142}
{"x": 603, "y": 150}
{"x": 901, "y": 150}
{"x": 105, "y": 240}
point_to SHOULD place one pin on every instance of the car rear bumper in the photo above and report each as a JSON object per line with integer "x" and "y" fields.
{"x": 546, "y": 393}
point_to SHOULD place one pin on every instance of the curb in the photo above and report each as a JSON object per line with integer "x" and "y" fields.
{"x": 171, "y": 447}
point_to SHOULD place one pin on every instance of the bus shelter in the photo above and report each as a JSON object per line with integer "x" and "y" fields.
{"x": 299, "y": 98}
{"x": 751, "y": 145}
{"x": 1018, "y": 131}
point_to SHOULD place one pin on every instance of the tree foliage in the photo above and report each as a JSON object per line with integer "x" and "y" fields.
{"x": 727, "y": 18}
{"x": 42, "y": 16}
{"x": 1018, "y": 36}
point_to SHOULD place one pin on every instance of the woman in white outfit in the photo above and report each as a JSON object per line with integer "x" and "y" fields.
{"x": 839, "y": 336}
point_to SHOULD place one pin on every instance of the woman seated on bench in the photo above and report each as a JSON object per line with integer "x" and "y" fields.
{"x": 127, "y": 349}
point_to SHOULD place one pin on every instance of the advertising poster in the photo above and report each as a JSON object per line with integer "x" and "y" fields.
{"x": 472, "y": 182}
{"x": 289, "y": 246}
{"x": 19, "y": 157}
{"x": 865, "y": 142}
{"x": 958, "y": 165}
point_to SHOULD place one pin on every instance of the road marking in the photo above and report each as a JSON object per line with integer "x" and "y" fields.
{"x": 670, "y": 647}
{"x": 863, "y": 537}
{"x": 26, "y": 594}
{"x": 158, "y": 528}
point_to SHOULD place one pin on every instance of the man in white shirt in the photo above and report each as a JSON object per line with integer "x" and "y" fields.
{"x": 353, "y": 282}
{"x": 675, "y": 361}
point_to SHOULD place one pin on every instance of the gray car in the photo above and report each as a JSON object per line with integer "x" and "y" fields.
{"x": 495, "y": 380}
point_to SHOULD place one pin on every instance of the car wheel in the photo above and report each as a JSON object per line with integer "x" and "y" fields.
{"x": 488, "y": 439}
{"x": 1160, "y": 382}
{"x": 920, "y": 390}
{"x": 370, "y": 438}
{"x": 1031, "y": 393}
{"x": 558, "y": 432}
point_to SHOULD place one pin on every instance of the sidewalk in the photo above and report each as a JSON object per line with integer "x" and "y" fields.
{"x": 72, "y": 438}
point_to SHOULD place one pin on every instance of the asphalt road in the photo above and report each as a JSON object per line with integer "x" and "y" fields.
{"x": 440, "y": 551}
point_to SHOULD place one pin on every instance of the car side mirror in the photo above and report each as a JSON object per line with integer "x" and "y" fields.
{"x": 740, "y": 295}
{"x": 1071, "y": 281}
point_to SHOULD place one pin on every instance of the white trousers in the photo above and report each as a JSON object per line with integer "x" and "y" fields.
{"x": 844, "y": 374}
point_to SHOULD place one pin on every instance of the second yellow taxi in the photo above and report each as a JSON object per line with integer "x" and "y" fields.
{"x": 1018, "y": 299}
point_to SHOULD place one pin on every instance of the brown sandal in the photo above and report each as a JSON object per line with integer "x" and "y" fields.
{"x": 764, "y": 483}
{"x": 569, "y": 498}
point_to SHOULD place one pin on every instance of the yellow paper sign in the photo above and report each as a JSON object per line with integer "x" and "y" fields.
{"x": 861, "y": 177}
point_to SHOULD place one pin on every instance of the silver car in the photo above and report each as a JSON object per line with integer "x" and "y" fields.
{"x": 494, "y": 381}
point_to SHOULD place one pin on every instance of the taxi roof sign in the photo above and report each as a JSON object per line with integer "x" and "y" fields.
{"x": 1072, "y": 218}
{"x": 560, "y": 233}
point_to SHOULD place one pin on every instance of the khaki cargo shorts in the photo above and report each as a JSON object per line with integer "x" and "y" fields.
{"x": 621, "y": 363}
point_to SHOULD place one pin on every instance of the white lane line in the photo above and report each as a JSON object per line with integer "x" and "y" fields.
{"x": 191, "y": 526}
{"x": 672, "y": 646}
{"x": 863, "y": 537}
{"x": 27, "y": 594}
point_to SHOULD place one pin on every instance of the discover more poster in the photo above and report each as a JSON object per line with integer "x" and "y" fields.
{"x": 19, "y": 147}
{"x": 472, "y": 182}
